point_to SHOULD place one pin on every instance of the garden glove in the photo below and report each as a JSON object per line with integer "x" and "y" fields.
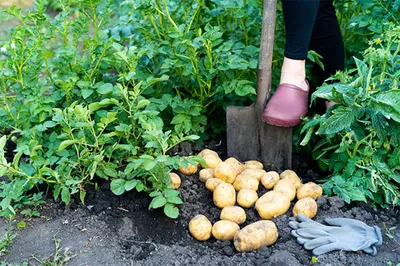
{"x": 342, "y": 234}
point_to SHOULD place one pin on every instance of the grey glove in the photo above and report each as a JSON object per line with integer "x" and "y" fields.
{"x": 343, "y": 234}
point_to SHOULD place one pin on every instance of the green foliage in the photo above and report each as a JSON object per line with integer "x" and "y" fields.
{"x": 5, "y": 241}
{"x": 359, "y": 138}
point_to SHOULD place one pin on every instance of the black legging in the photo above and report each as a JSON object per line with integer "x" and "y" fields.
{"x": 312, "y": 24}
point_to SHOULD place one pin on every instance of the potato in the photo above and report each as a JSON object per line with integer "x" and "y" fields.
{"x": 247, "y": 197}
{"x": 225, "y": 230}
{"x": 292, "y": 176}
{"x": 286, "y": 187}
{"x": 237, "y": 165}
{"x": 206, "y": 174}
{"x": 269, "y": 179}
{"x": 234, "y": 214}
{"x": 212, "y": 183}
{"x": 226, "y": 172}
{"x": 256, "y": 235}
{"x": 309, "y": 189}
{"x": 207, "y": 151}
{"x": 257, "y": 173}
{"x": 224, "y": 195}
{"x": 306, "y": 206}
{"x": 175, "y": 180}
{"x": 189, "y": 170}
{"x": 212, "y": 160}
{"x": 246, "y": 182}
{"x": 272, "y": 204}
{"x": 253, "y": 164}
{"x": 200, "y": 227}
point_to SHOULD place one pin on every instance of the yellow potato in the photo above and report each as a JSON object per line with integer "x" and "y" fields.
{"x": 175, "y": 180}
{"x": 200, "y": 227}
{"x": 212, "y": 160}
{"x": 237, "y": 165}
{"x": 226, "y": 172}
{"x": 292, "y": 176}
{"x": 234, "y": 214}
{"x": 287, "y": 188}
{"x": 247, "y": 197}
{"x": 269, "y": 179}
{"x": 207, "y": 151}
{"x": 206, "y": 174}
{"x": 253, "y": 164}
{"x": 257, "y": 173}
{"x": 272, "y": 204}
{"x": 246, "y": 182}
{"x": 189, "y": 170}
{"x": 306, "y": 206}
{"x": 212, "y": 183}
{"x": 309, "y": 189}
{"x": 256, "y": 235}
{"x": 225, "y": 230}
{"x": 224, "y": 195}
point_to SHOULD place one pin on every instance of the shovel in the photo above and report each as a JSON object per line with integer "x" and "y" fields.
{"x": 248, "y": 137}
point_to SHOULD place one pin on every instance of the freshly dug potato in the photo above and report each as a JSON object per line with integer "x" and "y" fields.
{"x": 175, "y": 180}
{"x": 306, "y": 206}
{"x": 269, "y": 179}
{"x": 207, "y": 151}
{"x": 256, "y": 235}
{"x": 212, "y": 183}
{"x": 189, "y": 170}
{"x": 200, "y": 227}
{"x": 206, "y": 174}
{"x": 292, "y": 176}
{"x": 272, "y": 204}
{"x": 253, "y": 164}
{"x": 246, "y": 182}
{"x": 224, "y": 195}
{"x": 247, "y": 197}
{"x": 237, "y": 165}
{"x": 253, "y": 172}
{"x": 286, "y": 187}
{"x": 309, "y": 189}
{"x": 234, "y": 214}
{"x": 225, "y": 230}
{"x": 226, "y": 172}
{"x": 212, "y": 160}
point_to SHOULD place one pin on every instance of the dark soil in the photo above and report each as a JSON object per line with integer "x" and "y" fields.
{"x": 120, "y": 230}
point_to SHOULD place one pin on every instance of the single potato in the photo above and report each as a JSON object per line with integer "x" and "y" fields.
{"x": 212, "y": 183}
{"x": 234, "y": 214}
{"x": 286, "y": 187}
{"x": 272, "y": 204}
{"x": 206, "y": 174}
{"x": 269, "y": 179}
{"x": 237, "y": 165}
{"x": 306, "y": 206}
{"x": 253, "y": 172}
{"x": 175, "y": 180}
{"x": 224, "y": 195}
{"x": 226, "y": 172}
{"x": 225, "y": 230}
{"x": 292, "y": 176}
{"x": 246, "y": 182}
{"x": 189, "y": 170}
{"x": 200, "y": 227}
{"x": 309, "y": 189}
{"x": 207, "y": 151}
{"x": 253, "y": 164}
{"x": 247, "y": 197}
{"x": 212, "y": 160}
{"x": 256, "y": 235}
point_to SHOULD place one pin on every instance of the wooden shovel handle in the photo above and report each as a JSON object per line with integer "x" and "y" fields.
{"x": 266, "y": 51}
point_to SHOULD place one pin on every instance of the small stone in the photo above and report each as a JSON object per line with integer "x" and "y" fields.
{"x": 385, "y": 218}
{"x": 336, "y": 201}
{"x": 228, "y": 250}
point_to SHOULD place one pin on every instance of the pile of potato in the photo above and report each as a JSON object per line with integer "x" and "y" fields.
{"x": 233, "y": 182}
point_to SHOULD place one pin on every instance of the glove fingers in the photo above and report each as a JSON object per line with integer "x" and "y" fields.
{"x": 303, "y": 240}
{"x": 317, "y": 242}
{"x": 344, "y": 221}
{"x": 371, "y": 250}
{"x": 294, "y": 225}
{"x": 311, "y": 232}
{"x": 302, "y": 218}
{"x": 325, "y": 249}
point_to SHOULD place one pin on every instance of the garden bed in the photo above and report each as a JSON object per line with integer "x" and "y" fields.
{"x": 120, "y": 230}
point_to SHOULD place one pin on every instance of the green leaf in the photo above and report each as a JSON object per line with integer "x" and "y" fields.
{"x": 118, "y": 186}
{"x": 131, "y": 184}
{"x": 105, "y": 88}
{"x": 171, "y": 210}
{"x": 158, "y": 202}
{"x": 110, "y": 172}
{"x": 21, "y": 225}
{"x": 82, "y": 196}
{"x": 175, "y": 200}
{"x": 65, "y": 195}
{"x": 67, "y": 143}
{"x": 341, "y": 119}
{"x": 388, "y": 103}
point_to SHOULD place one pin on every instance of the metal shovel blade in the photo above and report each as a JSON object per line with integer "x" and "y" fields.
{"x": 248, "y": 137}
